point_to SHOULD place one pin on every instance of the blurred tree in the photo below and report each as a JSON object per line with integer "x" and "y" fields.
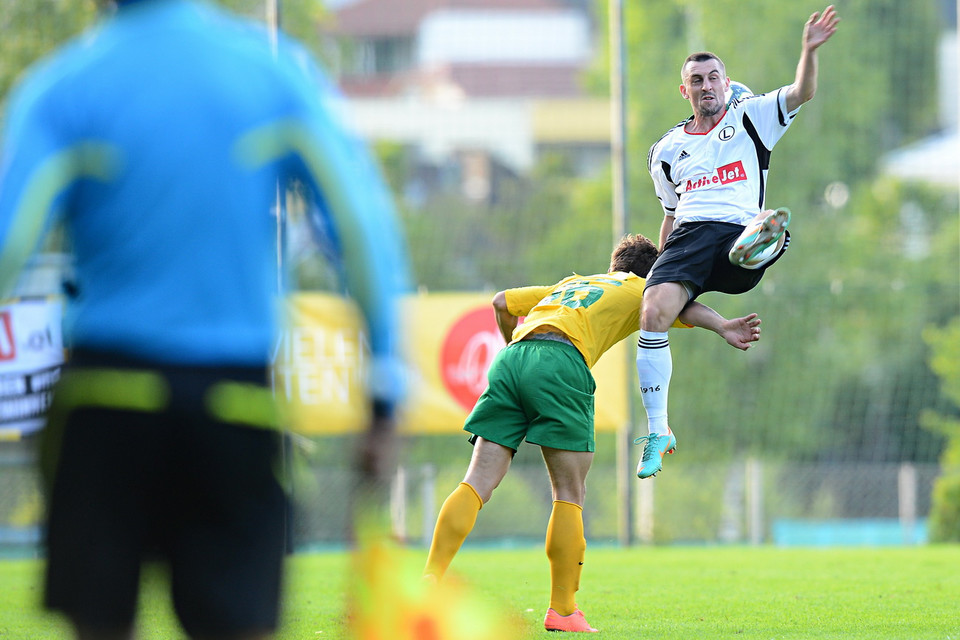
{"x": 877, "y": 81}
{"x": 301, "y": 19}
{"x": 841, "y": 368}
{"x": 841, "y": 371}
{"x": 945, "y": 360}
{"x": 29, "y": 30}
{"x": 543, "y": 227}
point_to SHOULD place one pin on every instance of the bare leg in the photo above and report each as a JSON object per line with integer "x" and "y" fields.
{"x": 568, "y": 473}
{"x": 488, "y": 465}
{"x": 662, "y": 304}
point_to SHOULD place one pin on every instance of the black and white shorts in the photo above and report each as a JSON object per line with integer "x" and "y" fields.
{"x": 147, "y": 462}
{"x": 695, "y": 255}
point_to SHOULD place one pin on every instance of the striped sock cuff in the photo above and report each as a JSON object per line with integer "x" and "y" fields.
{"x": 652, "y": 340}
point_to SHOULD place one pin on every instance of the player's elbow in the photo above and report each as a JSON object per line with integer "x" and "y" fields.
{"x": 500, "y": 301}
{"x": 799, "y": 95}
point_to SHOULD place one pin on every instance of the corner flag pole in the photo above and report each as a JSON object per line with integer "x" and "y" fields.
{"x": 618, "y": 151}
{"x": 272, "y": 16}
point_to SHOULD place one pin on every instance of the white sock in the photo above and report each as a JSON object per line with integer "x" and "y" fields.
{"x": 654, "y": 368}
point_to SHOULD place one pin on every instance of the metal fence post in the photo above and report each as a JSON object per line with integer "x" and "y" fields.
{"x": 907, "y": 501}
{"x": 755, "y": 526}
{"x": 428, "y": 494}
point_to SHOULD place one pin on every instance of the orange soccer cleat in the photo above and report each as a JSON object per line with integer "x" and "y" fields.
{"x": 574, "y": 622}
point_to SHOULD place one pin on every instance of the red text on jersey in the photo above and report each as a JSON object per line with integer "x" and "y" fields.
{"x": 726, "y": 174}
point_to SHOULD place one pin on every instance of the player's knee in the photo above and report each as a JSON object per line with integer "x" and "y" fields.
{"x": 662, "y": 304}
{"x": 655, "y": 318}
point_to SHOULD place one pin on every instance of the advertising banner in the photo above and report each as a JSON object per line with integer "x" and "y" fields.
{"x": 31, "y": 356}
{"x": 318, "y": 365}
{"x": 450, "y": 342}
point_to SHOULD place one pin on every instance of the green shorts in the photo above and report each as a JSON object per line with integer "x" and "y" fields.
{"x": 540, "y": 391}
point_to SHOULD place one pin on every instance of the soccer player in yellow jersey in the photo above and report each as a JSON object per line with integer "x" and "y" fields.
{"x": 540, "y": 389}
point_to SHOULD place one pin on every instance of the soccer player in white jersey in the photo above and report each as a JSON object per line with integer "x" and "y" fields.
{"x": 710, "y": 174}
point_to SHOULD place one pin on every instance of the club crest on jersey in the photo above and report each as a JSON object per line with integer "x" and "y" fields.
{"x": 726, "y": 174}
{"x": 726, "y": 133}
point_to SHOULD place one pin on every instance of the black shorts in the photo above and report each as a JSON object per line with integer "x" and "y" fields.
{"x": 136, "y": 467}
{"x": 696, "y": 254}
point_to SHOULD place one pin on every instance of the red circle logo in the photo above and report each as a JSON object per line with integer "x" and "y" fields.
{"x": 468, "y": 350}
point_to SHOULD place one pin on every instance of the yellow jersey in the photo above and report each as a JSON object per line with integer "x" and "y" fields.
{"x": 594, "y": 312}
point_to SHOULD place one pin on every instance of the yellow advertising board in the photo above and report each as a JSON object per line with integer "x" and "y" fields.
{"x": 450, "y": 341}
{"x": 318, "y": 364}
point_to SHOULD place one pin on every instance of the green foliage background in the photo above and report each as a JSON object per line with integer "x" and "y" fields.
{"x": 841, "y": 372}
{"x": 31, "y": 29}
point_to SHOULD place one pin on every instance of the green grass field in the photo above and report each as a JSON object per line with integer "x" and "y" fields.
{"x": 660, "y": 593}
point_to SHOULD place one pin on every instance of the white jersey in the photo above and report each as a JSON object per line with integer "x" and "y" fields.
{"x": 720, "y": 175}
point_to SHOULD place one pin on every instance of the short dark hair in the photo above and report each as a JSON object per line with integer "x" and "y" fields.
{"x": 635, "y": 254}
{"x": 701, "y": 56}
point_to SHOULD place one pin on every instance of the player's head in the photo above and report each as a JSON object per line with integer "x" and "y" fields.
{"x": 704, "y": 83}
{"x": 635, "y": 254}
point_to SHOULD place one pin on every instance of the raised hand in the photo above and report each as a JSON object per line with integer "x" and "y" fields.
{"x": 820, "y": 27}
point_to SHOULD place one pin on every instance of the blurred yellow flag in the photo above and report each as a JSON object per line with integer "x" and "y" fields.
{"x": 390, "y": 600}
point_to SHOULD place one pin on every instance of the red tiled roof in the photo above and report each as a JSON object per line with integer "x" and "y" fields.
{"x": 477, "y": 81}
{"x": 401, "y": 17}
{"x": 381, "y": 86}
{"x": 491, "y": 81}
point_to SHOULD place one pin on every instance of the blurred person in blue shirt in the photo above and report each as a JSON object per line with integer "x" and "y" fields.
{"x": 159, "y": 138}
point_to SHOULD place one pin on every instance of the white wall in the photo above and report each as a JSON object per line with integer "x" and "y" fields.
{"x": 949, "y": 73}
{"x": 485, "y": 37}
{"x": 500, "y": 127}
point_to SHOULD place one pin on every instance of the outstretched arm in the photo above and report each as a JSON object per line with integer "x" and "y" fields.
{"x": 816, "y": 31}
{"x": 738, "y": 332}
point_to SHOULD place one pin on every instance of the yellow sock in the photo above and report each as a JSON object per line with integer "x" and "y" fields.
{"x": 566, "y": 547}
{"x": 457, "y": 517}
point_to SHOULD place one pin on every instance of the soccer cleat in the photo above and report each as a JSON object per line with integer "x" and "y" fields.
{"x": 652, "y": 460}
{"x": 758, "y": 237}
{"x": 574, "y": 622}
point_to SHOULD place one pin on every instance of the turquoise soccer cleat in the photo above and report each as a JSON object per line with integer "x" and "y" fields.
{"x": 657, "y": 445}
{"x": 748, "y": 251}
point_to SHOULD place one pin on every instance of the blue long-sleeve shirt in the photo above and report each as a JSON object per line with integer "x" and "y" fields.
{"x": 160, "y": 137}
